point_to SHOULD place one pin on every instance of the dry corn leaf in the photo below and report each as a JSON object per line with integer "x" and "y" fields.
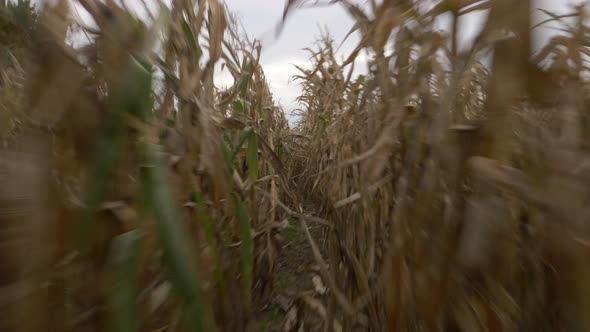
{"x": 318, "y": 285}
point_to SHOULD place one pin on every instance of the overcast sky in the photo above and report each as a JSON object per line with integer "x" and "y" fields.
{"x": 259, "y": 18}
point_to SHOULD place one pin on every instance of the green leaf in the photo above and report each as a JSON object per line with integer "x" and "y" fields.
{"x": 253, "y": 156}
{"x": 228, "y": 156}
{"x": 170, "y": 123}
{"x": 203, "y": 215}
{"x": 245, "y": 80}
{"x": 192, "y": 41}
{"x": 245, "y": 135}
{"x": 132, "y": 95}
{"x": 238, "y": 106}
{"x": 108, "y": 151}
{"x": 134, "y": 92}
{"x": 161, "y": 202}
{"x": 124, "y": 250}
{"x": 247, "y": 246}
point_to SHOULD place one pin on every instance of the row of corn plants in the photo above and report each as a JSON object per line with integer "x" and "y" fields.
{"x": 455, "y": 189}
{"x": 136, "y": 195}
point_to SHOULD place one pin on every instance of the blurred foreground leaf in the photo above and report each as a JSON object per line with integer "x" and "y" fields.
{"x": 122, "y": 300}
{"x": 247, "y": 245}
{"x": 162, "y": 205}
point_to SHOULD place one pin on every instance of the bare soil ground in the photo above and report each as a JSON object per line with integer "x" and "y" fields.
{"x": 294, "y": 275}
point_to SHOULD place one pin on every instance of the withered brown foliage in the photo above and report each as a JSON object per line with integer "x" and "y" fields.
{"x": 456, "y": 191}
{"x": 130, "y": 191}
{"x": 138, "y": 196}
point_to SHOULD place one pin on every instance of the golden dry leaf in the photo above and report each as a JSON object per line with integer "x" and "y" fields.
{"x": 291, "y": 322}
{"x": 217, "y": 25}
{"x": 316, "y": 306}
{"x": 318, "y": 285}
{"x": 158, "y": 296}
{"x": 388, "y": 18}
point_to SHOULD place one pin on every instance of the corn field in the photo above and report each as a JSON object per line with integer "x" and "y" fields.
{"x": 437, "y": 189}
